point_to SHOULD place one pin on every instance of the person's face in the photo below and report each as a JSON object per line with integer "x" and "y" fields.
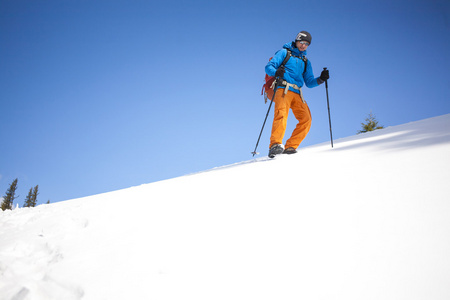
{"x": 301, "y": 45}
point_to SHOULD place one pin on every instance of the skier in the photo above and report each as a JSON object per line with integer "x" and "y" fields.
{"x": 296, "y": 72}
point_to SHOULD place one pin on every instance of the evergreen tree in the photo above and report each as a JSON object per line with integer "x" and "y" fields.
{"x": 31, "y": 199}
{"x": 34, "y": 196}
{"x": 28, "y": 199}
{"x": 8, "y": 199}
{"x": 370, "y": 125}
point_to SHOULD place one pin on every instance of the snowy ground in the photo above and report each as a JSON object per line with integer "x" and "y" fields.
{"x": 369, "y": 219}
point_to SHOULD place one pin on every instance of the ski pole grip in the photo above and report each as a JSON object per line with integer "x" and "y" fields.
{"x": 326, "y": 81}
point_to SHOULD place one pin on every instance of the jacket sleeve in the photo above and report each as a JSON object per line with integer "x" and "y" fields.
{"x": 308, "y": 77}
{"x": 275, "y": 62}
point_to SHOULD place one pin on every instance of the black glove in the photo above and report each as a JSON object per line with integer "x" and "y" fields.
{"x": 280, "y": 72}
{"x": 325, "y": 75}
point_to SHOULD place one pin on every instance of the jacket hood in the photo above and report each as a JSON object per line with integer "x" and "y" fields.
{"x": 294, "y": 49}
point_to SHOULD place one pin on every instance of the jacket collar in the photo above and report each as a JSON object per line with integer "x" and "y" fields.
{"x": 294, "y": 49}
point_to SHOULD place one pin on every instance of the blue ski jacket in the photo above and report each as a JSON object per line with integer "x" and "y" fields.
{"x": 294, "y": 67}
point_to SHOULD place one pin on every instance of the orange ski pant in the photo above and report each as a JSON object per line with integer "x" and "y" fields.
{"x": 284, "y": 102}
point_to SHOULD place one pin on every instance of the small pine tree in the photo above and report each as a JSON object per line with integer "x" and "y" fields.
{"x": 370, "y": 125}
{"x": 31, "y": 199}
{"x": 8, "y": 199}
{"x": 34, "y": 195}
{"x": 28, "y": 199}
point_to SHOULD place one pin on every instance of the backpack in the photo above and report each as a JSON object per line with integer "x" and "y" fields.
{"x": 268, "y": 86}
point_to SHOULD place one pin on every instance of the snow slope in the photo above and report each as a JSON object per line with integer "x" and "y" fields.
{"x": 369, "y": 219}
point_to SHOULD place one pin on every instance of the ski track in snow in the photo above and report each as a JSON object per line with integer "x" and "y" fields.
{"x": 365, "y": 220}
{"x": 30, "y": 273}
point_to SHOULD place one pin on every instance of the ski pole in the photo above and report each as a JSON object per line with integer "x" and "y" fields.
{"x": 329, "y": 115}
{"x": 270, "y": 105}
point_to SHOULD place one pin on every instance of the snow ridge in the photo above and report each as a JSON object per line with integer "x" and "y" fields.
{"x": 365, "y": 220}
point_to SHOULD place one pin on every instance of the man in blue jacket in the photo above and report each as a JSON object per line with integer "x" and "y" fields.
{"x": 293, "y": 75}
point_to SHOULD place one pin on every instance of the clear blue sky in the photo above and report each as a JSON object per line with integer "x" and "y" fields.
{"x": 97, "y": 96}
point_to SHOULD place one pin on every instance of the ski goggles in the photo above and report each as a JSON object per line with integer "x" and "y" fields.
{"x": 304, "y": 43}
